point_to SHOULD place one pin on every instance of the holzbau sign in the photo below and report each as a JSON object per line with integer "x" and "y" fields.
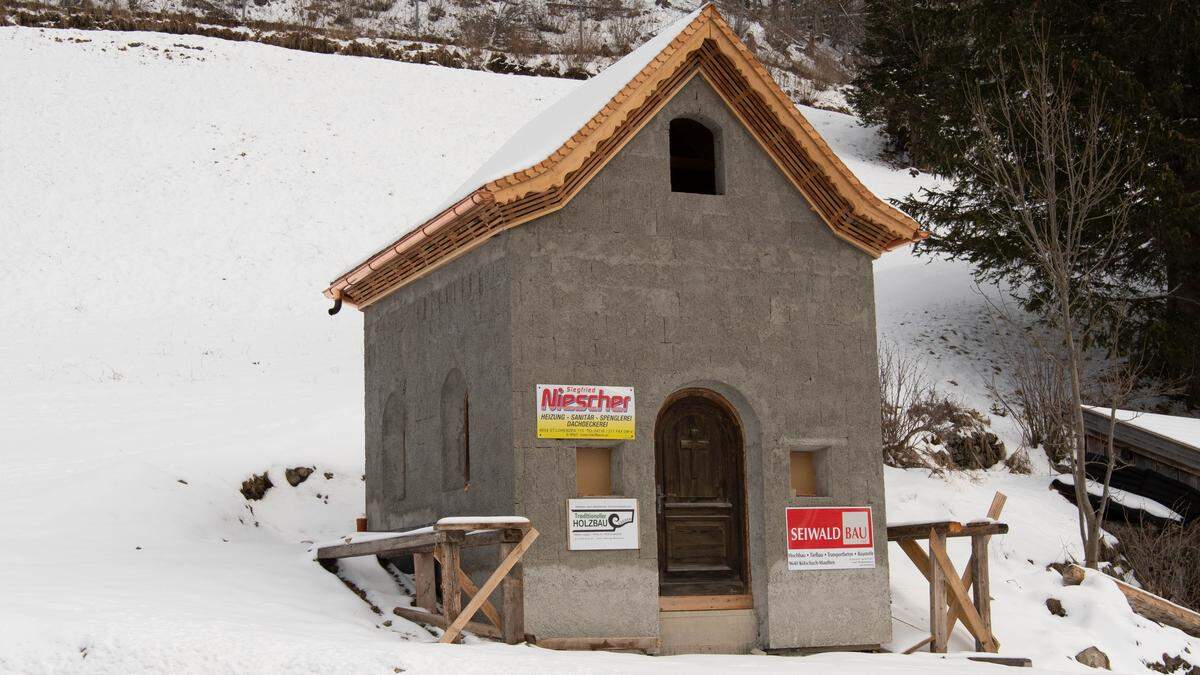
{"x": 585, "y": 411}
{"x": 837, "y": 538}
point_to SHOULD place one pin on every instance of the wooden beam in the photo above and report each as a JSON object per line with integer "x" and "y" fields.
{"x": 649, "y": 645}
{"x": 385, "y": 546}
{"x": 947, "y": 528}
{"x": 513, "y": 557}
{"x": 917, "y": 646}
{"x": 687, "y": 603}
{"x": 512, "y": 590}
{"x": 471, "y": 526}
{"x": 425, "y": 581}
{"x": 937, "y": 597}
{"x": 1149, "y": 605}
{"x": 469, "y": 587}
{"x": 971, "y": 618}
{"x": 968, "y": 576}
{"x": 448, "y": 552}
{"x": 917, "y": 555}
{"x": 389, "y": 547}
{"x": 413, "y": 614}
{"x": 981, "y": 586}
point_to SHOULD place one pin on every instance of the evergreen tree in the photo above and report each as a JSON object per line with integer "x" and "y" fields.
{"x": 928, "y": 57}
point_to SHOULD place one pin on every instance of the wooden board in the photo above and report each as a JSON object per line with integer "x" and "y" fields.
{"x": 413, "y": 614}
{"x": 947, "y": 528}
{"x": 1149, "y": 605}
{"x": 650, "y": 645}
{"x": 402, "y": 545}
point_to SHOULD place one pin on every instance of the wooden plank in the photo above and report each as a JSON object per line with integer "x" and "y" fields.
{"x": 396, "y": 546}
{"x": 386, "y": 546}
{"x": 1149, "y": 605}
{"x": 488, "y": 586}
{"x": 413, "y": 614}
{"x": 1012, "y": 661}
{"x": 981, "y": 585}
{"x": 649, "y": 645}
{"x": 917, "y": 646}
{"x": 512, "y": 624}
{"x": 937, "y": 598}
{"x": 470, "y": 526}
{"x": 687, "y": 603}
{"x": 425, "y": 581}
{"x": 947, "y": 528}
{"x": 449, "y": 553}
{"x": 465, "y": 584}
{"x": 971, "y": 618}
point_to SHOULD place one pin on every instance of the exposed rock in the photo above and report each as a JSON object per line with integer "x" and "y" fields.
{"x": 256, "y": 486}
{"x": 1055, "y": 606}
{"x": 1174, "y": 664}
{"x": 975, "y": 449}
{"x": 328, "y": 475}
{"x": 1093, "y": 658}
{"x": 297, "y": 475}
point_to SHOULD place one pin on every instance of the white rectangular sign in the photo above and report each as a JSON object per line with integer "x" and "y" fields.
{"x": 598, "y": 524}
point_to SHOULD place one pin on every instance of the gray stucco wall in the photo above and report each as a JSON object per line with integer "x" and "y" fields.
{"x": 747, "y": 293}
{"x": 456, "y": 318}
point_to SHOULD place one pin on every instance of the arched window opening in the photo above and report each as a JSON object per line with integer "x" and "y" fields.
{"x": 693, "y": 158}
{"x": 456, "y": 433}
{"x": 393, "y": 457}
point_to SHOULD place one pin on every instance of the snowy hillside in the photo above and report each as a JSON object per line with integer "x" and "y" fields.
{"x": 172, "y": 208}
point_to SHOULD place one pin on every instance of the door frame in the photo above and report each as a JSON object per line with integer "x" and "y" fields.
{"x": 700, "y": 601}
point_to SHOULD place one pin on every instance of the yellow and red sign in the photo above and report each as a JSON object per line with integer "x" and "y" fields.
{"x": 585, "y": 411}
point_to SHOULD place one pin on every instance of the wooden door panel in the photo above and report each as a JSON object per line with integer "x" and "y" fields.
{"x": 698, "y": 544}
{"x": 699, "y": 472}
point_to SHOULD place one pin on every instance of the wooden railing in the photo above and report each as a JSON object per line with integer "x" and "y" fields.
{"x": 948, "y": 598}
{"x": 442, "y": 545}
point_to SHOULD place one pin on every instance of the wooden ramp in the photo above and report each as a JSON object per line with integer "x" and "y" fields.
{"x": 442, "y": 545}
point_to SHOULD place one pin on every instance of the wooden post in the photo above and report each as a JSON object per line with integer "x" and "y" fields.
{"x": 968, "y": 575}
{"x": 425, "y": 581}
{"x": 938, "y": 627}
{"x": 980, "y": 585}
{"x": 449, "y": 552}
{"x": 512, "y": 624}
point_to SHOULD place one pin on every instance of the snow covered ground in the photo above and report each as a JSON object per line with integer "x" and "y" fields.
{"x": 172, "y": 207}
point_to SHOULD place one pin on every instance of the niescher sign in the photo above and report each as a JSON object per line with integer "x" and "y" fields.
{"x": 585, "y": 411}
{"x": 837, "y": 538}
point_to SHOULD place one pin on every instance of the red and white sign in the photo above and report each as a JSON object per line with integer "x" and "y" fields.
{"x": 830, "y": 538}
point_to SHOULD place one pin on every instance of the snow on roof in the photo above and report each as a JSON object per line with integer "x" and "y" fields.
{"x": 546, "y": 132}
{"x": 1184, "y": 430}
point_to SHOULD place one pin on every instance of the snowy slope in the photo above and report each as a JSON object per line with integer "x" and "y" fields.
{"x": 170, "y": 215}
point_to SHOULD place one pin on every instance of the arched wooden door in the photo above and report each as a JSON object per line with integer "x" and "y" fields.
{"x": 700, "y": 505}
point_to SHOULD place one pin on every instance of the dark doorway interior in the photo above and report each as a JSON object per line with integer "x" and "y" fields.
{"x": 701, "y": 509}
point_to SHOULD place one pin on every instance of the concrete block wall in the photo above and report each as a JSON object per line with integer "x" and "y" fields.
{"x": 456, "y": 318}
{"x": 747, "y": 293}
